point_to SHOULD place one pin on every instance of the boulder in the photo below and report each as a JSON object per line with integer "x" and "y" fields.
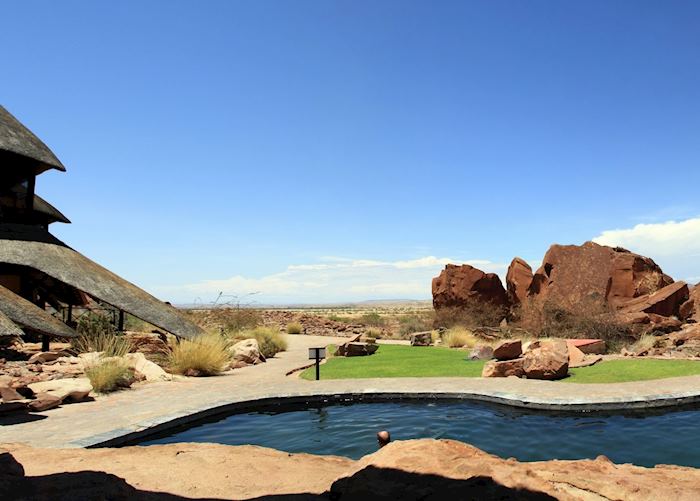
{"x": 9, "y": 394}
{"x": 690, "y": 310}
{"x": 76, "y": 389}
{"x": 481, "y": 352}
{"x": 247, "y": 351}
{"x": 459, "y": 286}
{"x": 44, "y": 402}
{"x": 44, "y": 356}
{"x": 356, "y": 349}
{"x": 664, "y": 302}
{"x": 421, "y": 338}
{"x": 664, "y": 324}
{"x": 571, "y": 275}
{"x": 518, "y": 280}
{"x": 505, "y": 368}
{"x": 142, "y": 366}
{"x": 577, "y": 358}
{"x": 547, "y": 360}
{"x": 588, "y": 346}
{"x": 508, "y": 349}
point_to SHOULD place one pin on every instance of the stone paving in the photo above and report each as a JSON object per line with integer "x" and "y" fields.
{"x": 130, "y": 414}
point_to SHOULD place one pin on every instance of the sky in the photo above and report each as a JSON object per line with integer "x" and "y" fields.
{"x": 329, "y": 151}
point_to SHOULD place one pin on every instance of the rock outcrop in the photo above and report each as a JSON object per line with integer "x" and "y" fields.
{"x": 458, "y": 286}
{"x": 405, "y": 470}
{"x": 690, "y": 310}
{"x": 421, "y": 338}
{"x": 247, "y": 351}
{"x": 518, "y": 280}
{"x": 573, "y": 274}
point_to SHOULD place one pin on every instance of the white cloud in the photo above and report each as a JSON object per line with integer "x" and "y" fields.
{"x": 674, "y": 245}
{"x": 335, "y": 280}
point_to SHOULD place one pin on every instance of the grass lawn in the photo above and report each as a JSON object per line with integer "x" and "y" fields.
{"x": 412, "y": 361}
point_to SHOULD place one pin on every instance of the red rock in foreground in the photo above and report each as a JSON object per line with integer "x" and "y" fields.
{"x": 405, "y": 470}
{"x": 457, "y": 286}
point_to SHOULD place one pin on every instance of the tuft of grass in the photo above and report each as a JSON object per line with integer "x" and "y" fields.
{"x": 269, "y": 340}
{"x": 644, "y": 343}
{"x": 459, "y": 337}
{"x": 374, "y": 332}
{"x": 110, "y": 375}
{"x": 110, "y": 344}
{"x": 206, "y": 355}
{"x": 294, "y": 328}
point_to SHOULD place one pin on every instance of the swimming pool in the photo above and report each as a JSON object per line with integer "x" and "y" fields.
{"x": 349, "y": 429}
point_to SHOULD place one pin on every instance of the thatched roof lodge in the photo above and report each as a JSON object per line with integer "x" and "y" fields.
{"x": 37, "y": 269}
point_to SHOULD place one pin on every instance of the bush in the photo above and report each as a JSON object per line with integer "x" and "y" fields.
{"x": 269, "y": 340}
{"x": 471, "y": 315}
{"x": 409, "y": 324}
{"x": 294, "y": 328}
{"x": 95, "y": 333}
{"x": 110, "y": 375}
{"x": 205, "y": 355}
{"x": 586, "y": 319}
{"x": 374, "y": 333}
{"x": 645, "y": 343}
{"x": 458, "y": 337}
{"x": 372, "y": 319}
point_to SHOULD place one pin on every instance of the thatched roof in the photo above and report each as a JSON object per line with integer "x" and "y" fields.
{"x": 54, "y": 215}
{"x": 8, "y": 327}
{"x": 29, "y": 315}
{"x": 38, "y": 249}
{"x": 16, "y": 138}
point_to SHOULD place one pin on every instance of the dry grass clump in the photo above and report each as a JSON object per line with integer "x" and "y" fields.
{"x": 96, "y": 333}
{"x": 645, "y": 343}
{"x": 459, "y": 337}
{"x": 205, "y": 355}
{"x": 373, "y": 332}
{"x": 270, "y": 340}
{"x": 110, "y": 375}
{"x": 294, "y": 328}
{"x": 227, "y": 320}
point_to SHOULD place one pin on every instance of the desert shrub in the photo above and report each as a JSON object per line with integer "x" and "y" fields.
{"x": 586, "y": 319}
{"x": 205, "y": 355}
{"x": 96, "y": 333}
{"x": 418, "y": 322}
{"x": 372, "y": 319}
{"x": 374, "y": 333}
{"x": 470, "y": 315}
{"x": 269, "y": 340}
{"x": 110, "y": 375}
{"x": 132, "y": 323}
{"x": 294, "y": 328}
{"x": 458, "y": 337}
{"x": 338, "y": 318}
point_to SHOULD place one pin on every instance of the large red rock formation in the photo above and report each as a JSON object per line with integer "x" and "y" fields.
{"x": 457, "y": 286}
{"x": 518, "y": 280}
{"x": 690, "y": 310}
{"x": 666, "y": 301}
{"x": 571, "y": 274}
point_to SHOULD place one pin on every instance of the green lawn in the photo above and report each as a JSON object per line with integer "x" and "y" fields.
{"x": 412, "y": 361}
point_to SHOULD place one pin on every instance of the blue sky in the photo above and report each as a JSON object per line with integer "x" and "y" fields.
{"x": 326, "y": 151}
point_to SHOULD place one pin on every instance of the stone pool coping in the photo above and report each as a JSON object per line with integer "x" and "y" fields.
{"x": 131, "y": 415}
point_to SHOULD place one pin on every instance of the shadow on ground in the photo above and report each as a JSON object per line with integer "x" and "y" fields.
{"x": 368, "y": 484}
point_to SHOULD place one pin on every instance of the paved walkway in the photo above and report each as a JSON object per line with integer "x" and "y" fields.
{"x": 157, "y": 406}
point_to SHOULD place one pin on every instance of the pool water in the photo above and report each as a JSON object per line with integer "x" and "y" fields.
{"x": 670, "y": 437}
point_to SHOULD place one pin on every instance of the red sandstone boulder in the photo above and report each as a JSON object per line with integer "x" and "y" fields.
{"x": 665, "y": 302}
{"x": 571, "y": 274}
{"x": 421, "y": 338}
{"x": 690, "y": 310}
{"x": 518, "y": 280}
{"x": 505, "y": 368}
{"x": 508, "y": 350}
{"x": 547, "y": 360}
{"x": 481, "y": 352}
{"x": 458, "y": 286}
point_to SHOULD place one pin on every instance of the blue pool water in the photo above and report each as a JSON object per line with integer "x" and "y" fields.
{"x": 670, "y": 437}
